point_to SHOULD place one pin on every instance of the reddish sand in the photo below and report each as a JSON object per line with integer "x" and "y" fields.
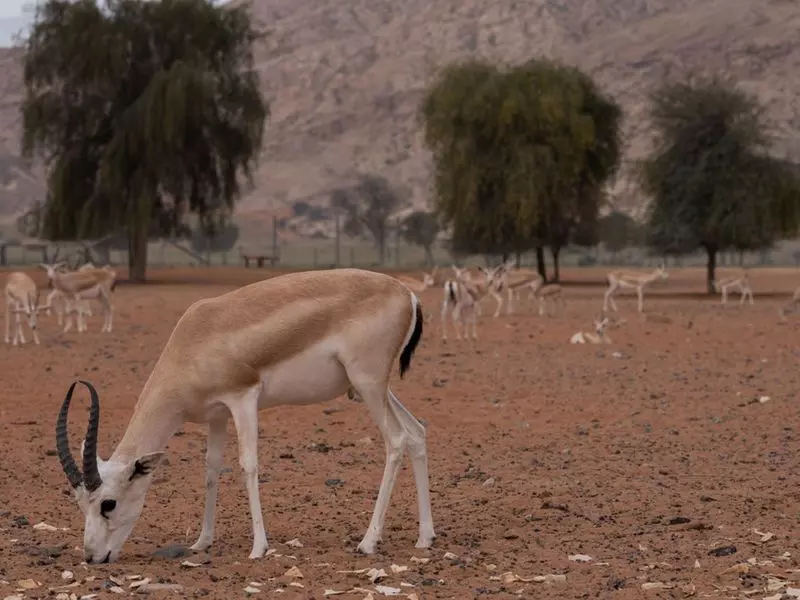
{"x": 678, "y": 439}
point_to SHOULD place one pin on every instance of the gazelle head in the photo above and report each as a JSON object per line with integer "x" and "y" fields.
{"x": 429, "y": 279}
{"x": 51, "y": 271}
{"x": 600, "y": 325}
{"x": 30, "y": 308}
{"x": 111, "y": 494}
{"x": 661, "y": 271}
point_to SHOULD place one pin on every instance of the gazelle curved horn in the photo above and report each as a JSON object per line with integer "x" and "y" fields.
{"x": 91, "y": 476}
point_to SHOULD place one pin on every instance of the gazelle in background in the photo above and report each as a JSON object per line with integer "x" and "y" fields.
{"x": 84, "y": 284}
{"x": 463, "y": 296}
{"x": 61, "y": 305}
{"x": 514, "y": 280}
{"x": 741, "y": 284}
{"x": 631, "y": 280}
{"x": 598, "y": 337}
{"x": 21, "y": 297}
{"x": 550, "y": 292}
{"x": 428, "y": 281}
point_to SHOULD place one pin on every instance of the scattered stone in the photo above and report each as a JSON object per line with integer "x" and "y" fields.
{"x": 679, "y": 520}
{"x": 295, "y": 543}
{"x": 580, "y": 558}
{"x": 723, "y": 551}
{"x": 249, "y": 590}
{"x": 45, "y": 527}
{"x": 159, "y": 587}
{"x": 173, "y": 551}
{"x": 294, "y": 572}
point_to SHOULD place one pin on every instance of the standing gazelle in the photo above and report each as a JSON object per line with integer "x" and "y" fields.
{"x": 296, "y": 339}
{"x": 84, "y": 284}
{"x": 740, "y": 283}
{"x": 631, "y": 279}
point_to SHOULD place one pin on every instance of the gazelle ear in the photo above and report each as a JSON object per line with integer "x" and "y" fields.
{"x": 145, "y": 465}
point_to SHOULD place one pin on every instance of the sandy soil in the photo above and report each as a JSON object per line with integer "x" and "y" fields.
{"x": 650, "y": 455}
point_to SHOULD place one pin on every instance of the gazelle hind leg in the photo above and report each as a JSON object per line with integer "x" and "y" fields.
{"x": 214, "y": 457}
{"x": 375, "y": 395}
{"x": 418, "y": 452}
{"x": 245, "y": 416}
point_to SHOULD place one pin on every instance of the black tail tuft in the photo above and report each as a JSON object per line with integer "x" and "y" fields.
{"x": 451, "y": 291}
{"x": 408, "y": 351}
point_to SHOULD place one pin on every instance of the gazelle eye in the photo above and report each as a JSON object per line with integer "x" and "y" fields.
{"x": 106, "y": 506}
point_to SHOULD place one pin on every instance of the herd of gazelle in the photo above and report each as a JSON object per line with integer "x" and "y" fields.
{"x": 464, "y": 293}
{"x": 70, "y": 293}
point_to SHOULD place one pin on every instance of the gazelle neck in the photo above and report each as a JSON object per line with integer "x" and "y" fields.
{"x": 155, "y": 420}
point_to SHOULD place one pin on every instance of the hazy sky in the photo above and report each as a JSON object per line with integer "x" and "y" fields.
{"x": 13, "y": 17}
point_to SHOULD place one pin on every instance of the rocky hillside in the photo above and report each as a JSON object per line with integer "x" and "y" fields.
{"x": 345, "y": 76}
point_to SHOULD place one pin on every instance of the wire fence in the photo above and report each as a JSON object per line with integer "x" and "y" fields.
{"x": 326, "y": 253}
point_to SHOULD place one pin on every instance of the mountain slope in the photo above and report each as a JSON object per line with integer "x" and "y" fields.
{"x": 345, "y": 77}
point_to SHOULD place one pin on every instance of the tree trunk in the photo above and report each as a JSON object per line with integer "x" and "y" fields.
{"x": 555, "y": 251}
{"x": 429, "y": 256}
{"x": 137, "y": 253}
{"x": 711, "y": 268}
{"x": 540, "y": 264}
{"x": 519, "y": 259}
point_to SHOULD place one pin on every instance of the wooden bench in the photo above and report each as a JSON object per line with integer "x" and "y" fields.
{"x": 259, "y": 259}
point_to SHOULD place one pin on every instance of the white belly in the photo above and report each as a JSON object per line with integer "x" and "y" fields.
{"x": 315, "y": 375}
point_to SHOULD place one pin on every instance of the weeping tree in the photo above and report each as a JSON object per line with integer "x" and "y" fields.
{"x": 519, "y": 154}
{"x": 141, "y": 111}
{"x": 713, "y": 182}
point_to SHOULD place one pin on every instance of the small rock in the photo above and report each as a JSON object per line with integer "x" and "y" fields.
{"x": 294, "y": 572}
{"x": 159, "y": 587}
{"x": 172, "y": 552}
{"x": 489, "y": 482}
{"x": 723, "y": 551}
{"x": 251, "y": 590}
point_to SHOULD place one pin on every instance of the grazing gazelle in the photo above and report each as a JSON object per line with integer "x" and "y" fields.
{"x": 740, "y": 284}
{"x": 22, "y": 297}
{"x": 631, "y": 279}
{"x": 295, "y": 339}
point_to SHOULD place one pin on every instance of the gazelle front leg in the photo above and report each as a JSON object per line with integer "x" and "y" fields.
{"x": 608, "y": 298}
{"x": 245, "y": 418}
{"x": 640, "y": 294}
{"x": 214, "y": 457}
{"x": 8, "y": 322}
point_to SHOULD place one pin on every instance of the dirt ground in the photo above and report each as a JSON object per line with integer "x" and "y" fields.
{"x": 656, "y": 456}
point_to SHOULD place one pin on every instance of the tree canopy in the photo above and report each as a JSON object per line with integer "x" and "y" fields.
{"x": 713, "y": 182}
{"x": 141, "y": 111}
{"x": 521, "y": 153}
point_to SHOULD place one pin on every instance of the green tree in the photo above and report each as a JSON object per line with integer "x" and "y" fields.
{"x": 139, "y": 109}
{"x": 713, "y": 183}
{"x": 421, "y": 228}
{"x": 519, "y": 153}
{"x": 368, "y": 206}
